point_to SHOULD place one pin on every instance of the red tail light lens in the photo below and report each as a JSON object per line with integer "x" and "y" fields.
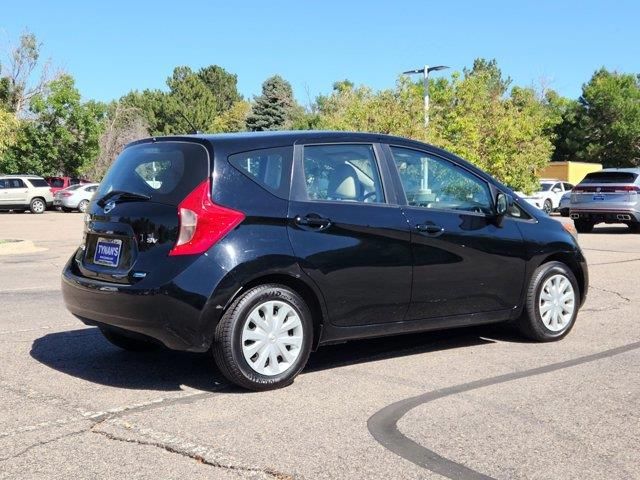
{"x": 202, "y": 222}
{"x": 66, "y": 194}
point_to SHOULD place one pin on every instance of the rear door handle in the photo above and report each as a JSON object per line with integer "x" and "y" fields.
{"x": 312, "y": 220}
{"x": 430, "y": 229}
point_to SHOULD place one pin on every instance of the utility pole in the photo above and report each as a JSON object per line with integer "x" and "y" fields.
{"x": 425, "y": 72}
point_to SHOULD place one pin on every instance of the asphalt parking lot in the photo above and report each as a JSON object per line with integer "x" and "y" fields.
{"x": 470, "y": 403}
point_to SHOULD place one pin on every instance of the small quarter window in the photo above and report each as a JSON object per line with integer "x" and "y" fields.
{"x": 269, "y": 168}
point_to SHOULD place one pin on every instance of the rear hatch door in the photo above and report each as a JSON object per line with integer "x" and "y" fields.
{"x": 606, "y": 191}
{"x": 133, "y": 222}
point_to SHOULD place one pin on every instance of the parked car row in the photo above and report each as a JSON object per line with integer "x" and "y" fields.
{"x": 36, "y": 194}
{"x": 606, "y": 196}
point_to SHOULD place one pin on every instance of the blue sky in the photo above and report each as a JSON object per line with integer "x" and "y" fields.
{"x": 113, "y": 46}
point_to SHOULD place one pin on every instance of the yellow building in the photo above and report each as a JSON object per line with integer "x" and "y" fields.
{"x": 572, "y": 172}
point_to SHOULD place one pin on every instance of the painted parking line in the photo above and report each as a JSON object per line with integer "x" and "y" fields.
{"x": 383, "y": 425}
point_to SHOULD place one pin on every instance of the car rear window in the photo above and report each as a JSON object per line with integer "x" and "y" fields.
{"x": 610, "y": 177}
{"x": 55, "y": 182}
{"x": 38, "y": 182}
{"x": 164, "y": 171}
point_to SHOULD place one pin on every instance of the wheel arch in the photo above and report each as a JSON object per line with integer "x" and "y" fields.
{"x": 570, "y": 261}
{"x": 311, "y": 297}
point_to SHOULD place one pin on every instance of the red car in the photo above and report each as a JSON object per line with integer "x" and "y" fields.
{"x": 60, "y": 183}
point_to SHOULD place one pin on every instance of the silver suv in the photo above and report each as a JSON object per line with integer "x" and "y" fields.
{"x": 611, "y": 195}
{"x": 25, "y": 192}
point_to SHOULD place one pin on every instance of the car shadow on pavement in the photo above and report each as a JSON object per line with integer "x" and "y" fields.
{"x": 85, "y": 354}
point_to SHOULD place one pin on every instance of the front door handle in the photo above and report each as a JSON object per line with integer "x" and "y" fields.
{"x": 312, "y": 220}
{"x": 430, "y": 229}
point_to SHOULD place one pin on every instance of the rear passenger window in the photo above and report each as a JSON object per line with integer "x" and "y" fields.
{"x": 346, "y": 173}
{"x": 16, "y": 183}
{"x": 38, "y": 182}
{"x": 269, "y": 168}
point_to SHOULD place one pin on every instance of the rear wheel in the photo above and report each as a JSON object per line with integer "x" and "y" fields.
{"x": 552, "y": 303}
{"x": 547, "y": 206}
{"x": 37, "y": 205}
{"x": 82, "y": 206}
{"x": 264, "y": 339}
{"x": 634, "y": 227}
{"x": 564, "y": 212}
{"x": 583, "y": 226}
{"x": 127, "y": 343}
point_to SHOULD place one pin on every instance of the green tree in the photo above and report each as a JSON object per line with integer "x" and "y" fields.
{"x": 506, "y": 132}
{"x": 604, "y": 127}
{"x": 8, "y": 131}
{"x": 275, "y": 108}
{"x": 206, "y": 100}
{"x": 61, "y": 135}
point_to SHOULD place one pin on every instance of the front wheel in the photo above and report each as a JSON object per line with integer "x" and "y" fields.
{"x": 82, "y": 206}
{"x": 264, "y": 338}
{"x": 583, "y": 226}
{"x": 552, "y": 303}
{"x": 547, "y": 206}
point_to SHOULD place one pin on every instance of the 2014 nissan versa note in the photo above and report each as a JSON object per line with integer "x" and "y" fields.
{"x": 260, "y": 247}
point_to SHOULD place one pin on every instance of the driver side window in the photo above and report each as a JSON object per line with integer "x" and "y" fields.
{"x": 432, "y": 182}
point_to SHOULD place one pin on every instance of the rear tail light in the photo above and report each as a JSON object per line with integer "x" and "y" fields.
{"x": 66, "y": 194}
{"x": 202, "y": 222}
{"x": 611, "y": 189}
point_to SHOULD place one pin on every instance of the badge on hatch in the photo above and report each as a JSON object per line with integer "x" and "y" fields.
{"x": 109, "y": 206}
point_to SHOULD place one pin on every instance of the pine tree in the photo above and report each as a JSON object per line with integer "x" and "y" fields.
{"x": 272, "y": 110}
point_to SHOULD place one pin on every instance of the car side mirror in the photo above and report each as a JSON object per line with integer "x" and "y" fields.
{"x": 503, "y": 203}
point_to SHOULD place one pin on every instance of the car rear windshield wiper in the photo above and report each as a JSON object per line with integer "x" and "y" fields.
{"x": 122, "y": 195}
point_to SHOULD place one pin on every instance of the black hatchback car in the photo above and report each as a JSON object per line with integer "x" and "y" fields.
{"x": 260, "y": 247}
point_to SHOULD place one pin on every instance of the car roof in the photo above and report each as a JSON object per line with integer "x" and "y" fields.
{"x": 17, "y": 175}
{"x": 249, "y": 140}
{"x": 629, "y": 170}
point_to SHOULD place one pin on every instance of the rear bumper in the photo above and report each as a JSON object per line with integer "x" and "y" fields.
{"x": 170, "y": 314}
{"x": 613, "y": 215}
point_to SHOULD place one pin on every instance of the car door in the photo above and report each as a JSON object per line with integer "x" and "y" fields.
{"x": 556, "y": 192}
{"x": 349, "y": 233}
{"x": 17, "y": 192}
{"x": 464, "y": 263}
{"x": 4, "y": 192}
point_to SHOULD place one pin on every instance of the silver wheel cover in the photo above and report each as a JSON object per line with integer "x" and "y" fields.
{"x": 272, "y": 338}
{"x": 557, "y": 303}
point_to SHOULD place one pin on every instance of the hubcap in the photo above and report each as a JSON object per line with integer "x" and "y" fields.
{"x": 557, "y": 303}
{"x": 38, "y": 206}
{"x": 272, "y": 337}
{"x": 83, "y": 206}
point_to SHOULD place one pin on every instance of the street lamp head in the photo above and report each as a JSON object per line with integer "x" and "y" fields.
{"x": 436, "y": 68}
{"x": 409, "y": 72}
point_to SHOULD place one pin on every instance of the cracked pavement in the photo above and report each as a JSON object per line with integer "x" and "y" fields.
{"x": 73, "y": 406}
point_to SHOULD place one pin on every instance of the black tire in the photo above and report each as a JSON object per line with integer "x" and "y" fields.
{"x": 564, "y": 212}
{"x": 547, "y": 206}
{"x": 530, "y": 323}
{"x": 583, "y": 226}
{"x": 82, "y": 206}
{"x": 38, "y": 205}
{"x": 634, "y": 227}
{"x": 227, "y": 345}
{"x": 127, "y": 343}
{"x": 65, "y": 209}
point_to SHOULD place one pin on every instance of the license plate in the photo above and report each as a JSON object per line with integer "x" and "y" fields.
{"x": 598, "y": 197}
{"x": 107, "y": 252}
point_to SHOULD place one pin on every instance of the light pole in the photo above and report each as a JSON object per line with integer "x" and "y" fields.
{"x": 425, "y": 71}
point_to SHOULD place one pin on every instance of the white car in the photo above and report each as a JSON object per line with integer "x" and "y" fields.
{"x": 24, "y": 192}
{"x": 549, "y": 195}
{"x": 75, "y": 197}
